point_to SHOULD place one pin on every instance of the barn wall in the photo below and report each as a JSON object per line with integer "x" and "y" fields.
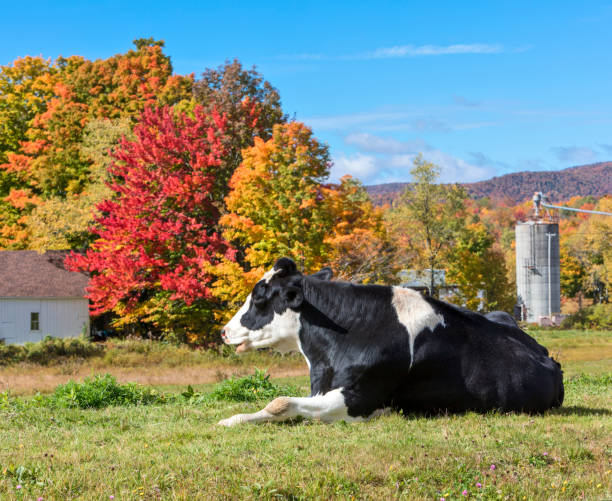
{"x": 59, "y": 317}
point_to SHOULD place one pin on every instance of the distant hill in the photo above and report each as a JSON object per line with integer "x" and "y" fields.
{"x": 583, "y": 180}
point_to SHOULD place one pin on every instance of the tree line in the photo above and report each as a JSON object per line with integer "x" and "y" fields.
{"x": 176, "y": 193}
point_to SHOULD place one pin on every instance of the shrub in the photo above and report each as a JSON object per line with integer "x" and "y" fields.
{"x": 598, "y": 316}
{"x": 49, "y": 351}
{"x": 102, "y": 391}
{"x": 243, "y": 389}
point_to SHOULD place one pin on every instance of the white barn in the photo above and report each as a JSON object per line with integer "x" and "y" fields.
{"x": 39, "y": 297}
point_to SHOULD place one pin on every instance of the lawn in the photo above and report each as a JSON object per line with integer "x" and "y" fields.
{"x": 175, "y": 450}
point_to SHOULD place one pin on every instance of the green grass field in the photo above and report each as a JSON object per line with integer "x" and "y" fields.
{"x": 175, "y": 450}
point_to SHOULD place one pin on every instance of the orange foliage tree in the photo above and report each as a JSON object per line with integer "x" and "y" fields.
{"x": 47, "y": 160}
{"x": 360, "y": 249}
{"x": 279, "y": 205}
{"x": 276, "y": 206}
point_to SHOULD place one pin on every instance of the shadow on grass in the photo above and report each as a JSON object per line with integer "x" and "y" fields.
{"x": 574, "y": 410}
{"x": 578, "y": 410}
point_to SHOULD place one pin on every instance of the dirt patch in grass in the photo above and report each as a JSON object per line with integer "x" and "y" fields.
{"x": 29, "y": 379}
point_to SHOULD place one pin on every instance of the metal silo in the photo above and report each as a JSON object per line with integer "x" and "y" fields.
{"x": 538, "y": 270}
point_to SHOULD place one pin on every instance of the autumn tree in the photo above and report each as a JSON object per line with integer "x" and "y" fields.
{"x": 251, "y": 105}
{"x": 47, "y": 161}
{"x": 589, "y": 246}
{"x": 276, "y": 205}
{"x": 26, "y": 86}
{"x": 478, "y": 270}
{"x": 427, "y": 218}
{"x": 151, "y": 263}
{"x": 359, "y": 247}
{"x": 572, "y": 276}
{"x": 64, "y": 222}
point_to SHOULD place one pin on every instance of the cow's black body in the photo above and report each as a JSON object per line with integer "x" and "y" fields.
{"x": 502, "y": 317}
{"x": 353, "y": 339}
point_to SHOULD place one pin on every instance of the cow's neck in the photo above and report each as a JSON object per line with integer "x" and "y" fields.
{"x": 342, "y": 305}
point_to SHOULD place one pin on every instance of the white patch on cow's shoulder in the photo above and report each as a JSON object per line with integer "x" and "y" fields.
{"x": 415, "y": 314}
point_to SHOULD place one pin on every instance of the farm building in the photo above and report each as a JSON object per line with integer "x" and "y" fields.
{"x": 39, "y": 297}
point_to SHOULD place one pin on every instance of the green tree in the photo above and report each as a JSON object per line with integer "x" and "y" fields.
{"x": 479, "y": 271}
{"x": 427, "y": 219}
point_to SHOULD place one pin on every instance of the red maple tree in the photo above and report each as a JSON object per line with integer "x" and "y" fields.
{"x": 157, "y": 243}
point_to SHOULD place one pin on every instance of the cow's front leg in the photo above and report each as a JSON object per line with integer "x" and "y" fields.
{"x": 327, "y": 408}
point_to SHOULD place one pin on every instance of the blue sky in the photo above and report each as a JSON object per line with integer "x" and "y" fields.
{"x": 480, "y": 88}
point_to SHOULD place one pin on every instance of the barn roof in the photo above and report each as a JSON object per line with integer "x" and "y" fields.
{"x": 30, "y": 274}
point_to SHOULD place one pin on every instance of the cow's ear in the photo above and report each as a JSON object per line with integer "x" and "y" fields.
{"x": 293, "y": 296}
{"x": 323, "y": 274}
{"x": 285, "y": 267}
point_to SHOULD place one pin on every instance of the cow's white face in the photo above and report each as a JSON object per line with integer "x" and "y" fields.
{"x": 269, "y": 318}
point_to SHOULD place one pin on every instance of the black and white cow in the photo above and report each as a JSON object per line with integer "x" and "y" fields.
{"x": 373, "y": 347}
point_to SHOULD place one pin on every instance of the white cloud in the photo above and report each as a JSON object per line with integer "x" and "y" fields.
{"x": 457, "y": 170}
{"x": 363, "y": 167}
{"x": 403, "y": 51}
{"x": 430, "y": 125}
{"x": 481, "y": 160}
{"x": 393, "y": 121}
{"x": 430, "y": 50}
{"x": 386, "y": 160}
{"x": 453, "y": 169}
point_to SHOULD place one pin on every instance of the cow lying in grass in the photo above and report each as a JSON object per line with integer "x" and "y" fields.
{"x": 372, "y": 347}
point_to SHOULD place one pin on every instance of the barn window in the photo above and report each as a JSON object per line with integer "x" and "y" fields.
{"x": 34, "y": 321}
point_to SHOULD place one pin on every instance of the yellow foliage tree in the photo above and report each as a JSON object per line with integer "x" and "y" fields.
{"x": 279, "y": 206}
{"x": 276, "y": 207}
{"x": 479, "y": 271}
{"x": 360, "y": 250}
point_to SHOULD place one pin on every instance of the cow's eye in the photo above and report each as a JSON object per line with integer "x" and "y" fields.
{"x": 260, "y": 304}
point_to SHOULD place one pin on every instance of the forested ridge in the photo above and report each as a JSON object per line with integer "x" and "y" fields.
{"x": 583, "y": 180}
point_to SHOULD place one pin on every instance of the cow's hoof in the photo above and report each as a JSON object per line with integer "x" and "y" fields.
{"x": 231, "y": 421}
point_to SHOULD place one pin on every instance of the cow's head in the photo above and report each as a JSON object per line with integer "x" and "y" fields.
{"x": 270, "y": 317}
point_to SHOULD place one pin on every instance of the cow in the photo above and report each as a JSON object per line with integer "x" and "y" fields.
{"x": 375, "y": 348}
